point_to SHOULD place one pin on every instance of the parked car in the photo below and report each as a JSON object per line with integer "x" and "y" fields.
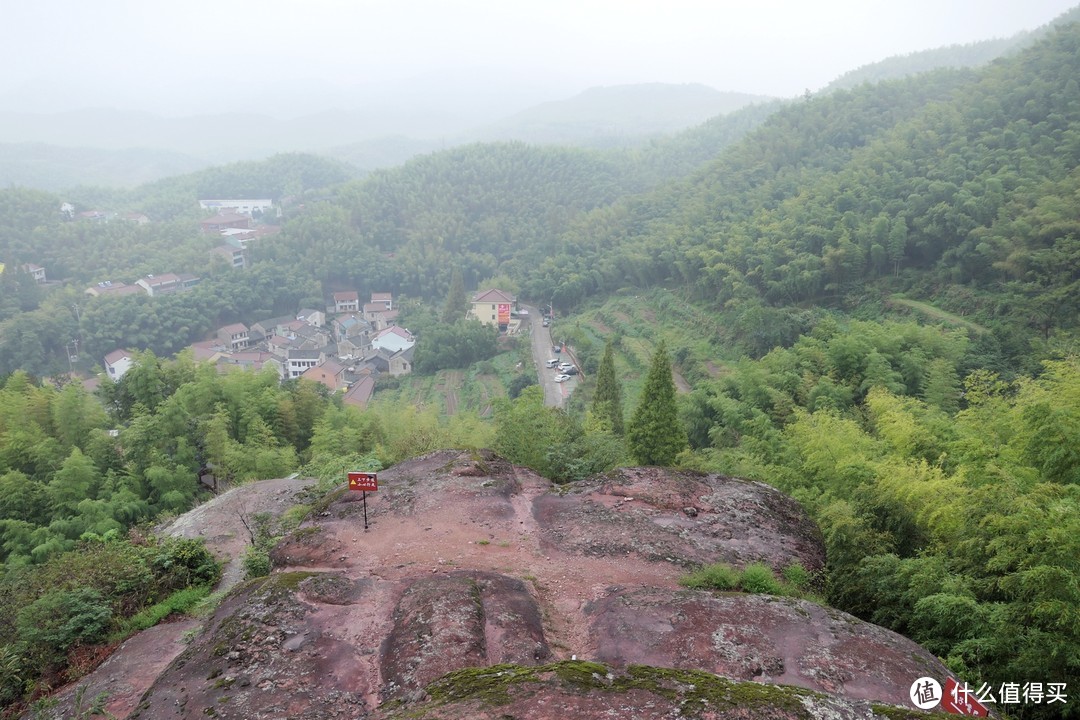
{"x": 562, "y": 378}
{"x": 571, "y": 371}
{"x": 547, "y": 322}
{"x": 551, "y": 363}
{"x": 564, "y": 366}
{"x": 556, "y": 349}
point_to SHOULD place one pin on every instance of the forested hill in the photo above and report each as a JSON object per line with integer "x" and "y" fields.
{"x": 956, "y": 185}
{"x": 954, "y": 56}
{"x": 489, "y": 209}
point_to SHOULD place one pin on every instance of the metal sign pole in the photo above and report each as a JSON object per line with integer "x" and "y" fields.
{"x": 365, "y": 511}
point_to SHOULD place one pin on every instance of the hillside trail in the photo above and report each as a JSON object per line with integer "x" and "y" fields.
{"x": 138, "y": 661}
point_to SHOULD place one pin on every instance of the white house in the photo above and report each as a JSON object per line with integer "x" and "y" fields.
{"x": 244, "y": 206}
{"x": 36, "y": 271}
{"x": 300, "y": 361}
{"x": 117, "y": 363}
{"x": 393, "y": 339}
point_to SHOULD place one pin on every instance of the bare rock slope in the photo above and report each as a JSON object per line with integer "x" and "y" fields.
{"x": 480, "y": 590}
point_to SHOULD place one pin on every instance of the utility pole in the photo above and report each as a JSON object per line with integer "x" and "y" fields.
{"x": 72, "y": 349}
{"x": 78, "y": 320}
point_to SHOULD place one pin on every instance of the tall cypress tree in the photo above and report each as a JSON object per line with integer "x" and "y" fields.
{"x": 607, "y": 401}
{"x": 655, "y": 435}
{"x": 457, "y": 304}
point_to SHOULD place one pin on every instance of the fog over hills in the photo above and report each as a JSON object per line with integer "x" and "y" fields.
{"x": 201, "y": 96}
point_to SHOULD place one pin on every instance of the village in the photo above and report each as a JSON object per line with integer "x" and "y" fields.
{"x": 344, "y": 346}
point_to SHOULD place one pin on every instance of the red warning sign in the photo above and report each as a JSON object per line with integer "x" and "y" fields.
{"x": 365, "y": 481}
{"x": 960, "y": 700}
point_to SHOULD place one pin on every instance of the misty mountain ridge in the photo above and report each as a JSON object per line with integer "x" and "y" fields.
{"x": 605, "y": 116}
{"x": 376, "y": 125}
{"x": 952, "y": 56}
{"x": 618, "y": 113}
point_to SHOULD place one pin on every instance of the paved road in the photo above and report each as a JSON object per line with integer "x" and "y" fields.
{"x": 555, "y": 394}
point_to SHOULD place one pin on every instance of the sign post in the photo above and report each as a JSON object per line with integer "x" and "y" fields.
{"x": 364, "y": 482}
{"x": 961, "y": 701}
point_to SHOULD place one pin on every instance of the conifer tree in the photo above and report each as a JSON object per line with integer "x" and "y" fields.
{"x": 457, "y": 304}
{"x": 607, "y": 401}
{"x": 655, "y": 435}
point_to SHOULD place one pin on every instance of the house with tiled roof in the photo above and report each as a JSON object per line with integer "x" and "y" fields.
{"x": 254, "y": 360}
{"x": 492, "y": 307}
{"x": 117, "y": 363}
{"x": 330, "y": 373}
{"x": 313, "y": 317}
{"x": 206, "y": 350}
{"x": 384, "y": 298}
{"x": 300, "y": 361}
{"x": 379, "y": 315}
{"x": 233, "y": 337}
{"x": 166, "y": 283}
{"x": 390, "y": 363}
{"x": 393, "y": 339}
{"x": 225, "y": 221}
{"x": 346, "y": 301}
{"x": 35, "y": 271}
{"x": 359, "y": 395}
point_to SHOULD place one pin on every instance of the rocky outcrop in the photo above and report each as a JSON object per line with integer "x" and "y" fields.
{"x": 480, "y": 590}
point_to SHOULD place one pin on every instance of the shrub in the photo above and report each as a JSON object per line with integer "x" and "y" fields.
{"x": 181, "y": 562}
{"x": 797, "y": 577}
{"x": 257, "y": 561}
{"x": 759, "y": 578}
{"x": 58, "y": 620}
{"x": 712, "y": 577}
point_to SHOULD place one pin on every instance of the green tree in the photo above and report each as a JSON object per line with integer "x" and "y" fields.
{"x": 76, "y": 480}
{"x": 655, "y": 434}
{"x": 607, "y": 400}
{"x": 457, "y": 304}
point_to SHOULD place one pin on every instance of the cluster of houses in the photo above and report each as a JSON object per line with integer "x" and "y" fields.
{"x": 344, "y": 347}
{"x": 234, "y": 222}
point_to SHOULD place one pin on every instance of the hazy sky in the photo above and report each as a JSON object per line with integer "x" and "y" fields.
{"x": 144, "y": 53}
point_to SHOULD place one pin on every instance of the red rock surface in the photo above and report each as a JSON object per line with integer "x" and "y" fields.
{"x": 469, "y": 561}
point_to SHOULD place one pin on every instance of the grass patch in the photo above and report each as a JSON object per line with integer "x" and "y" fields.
{"x": 180, "y": 601}
{"x": 936, "y": 314}
{"x": 757, "y": 578}
{"x": 712, "y": 577}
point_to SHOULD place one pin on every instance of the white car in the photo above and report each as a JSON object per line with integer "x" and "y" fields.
{"x": 564, "y": 366}
{"x": 551, "y": 363}
{"x": 562, "y": 378}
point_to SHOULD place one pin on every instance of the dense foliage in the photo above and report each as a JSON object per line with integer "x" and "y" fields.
{"x": 55, "y": 617}
{"x": 940, "y": 459}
